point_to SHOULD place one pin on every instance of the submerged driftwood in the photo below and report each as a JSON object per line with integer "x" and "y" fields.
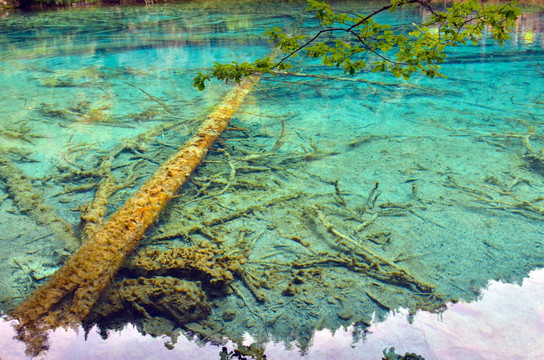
{"x": 29, "y": 202}
{"x": 70, "y": 294}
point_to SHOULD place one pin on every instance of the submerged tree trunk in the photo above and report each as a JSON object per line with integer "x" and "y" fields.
{"x": 69, "y": 295}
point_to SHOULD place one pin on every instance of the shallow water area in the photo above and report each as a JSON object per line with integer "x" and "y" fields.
{"x": 329, "y": 202}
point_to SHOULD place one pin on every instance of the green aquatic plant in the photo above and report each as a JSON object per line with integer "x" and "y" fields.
{"x": 357, "y": 42}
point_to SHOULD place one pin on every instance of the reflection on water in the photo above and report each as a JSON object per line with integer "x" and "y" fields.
{"x": 328, "y": 203}
{"x": 507, "y": 322}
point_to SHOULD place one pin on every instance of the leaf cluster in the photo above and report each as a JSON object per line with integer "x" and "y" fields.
{"x": 233, "y": 71}
{"x": 358, "y": 42}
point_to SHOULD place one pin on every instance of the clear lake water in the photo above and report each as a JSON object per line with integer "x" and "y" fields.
{"x": 327, "y": 186}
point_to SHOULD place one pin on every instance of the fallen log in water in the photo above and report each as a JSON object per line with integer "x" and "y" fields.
{"x": 69, "y": 295}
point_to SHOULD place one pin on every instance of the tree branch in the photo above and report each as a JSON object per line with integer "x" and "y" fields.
{"x": 350, "y": 30}
{"x": 421, "y": 50}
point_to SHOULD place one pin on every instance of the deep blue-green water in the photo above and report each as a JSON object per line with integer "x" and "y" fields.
{"x": 325, "y": 185}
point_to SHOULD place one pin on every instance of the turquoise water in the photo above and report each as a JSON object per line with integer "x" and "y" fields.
{"x": 325, "y": 185}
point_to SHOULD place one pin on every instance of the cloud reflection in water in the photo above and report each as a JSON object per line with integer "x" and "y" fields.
{"x": 507, "y": 322}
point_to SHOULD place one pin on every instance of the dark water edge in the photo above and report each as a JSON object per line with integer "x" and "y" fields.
{"x": 7, "y": 6}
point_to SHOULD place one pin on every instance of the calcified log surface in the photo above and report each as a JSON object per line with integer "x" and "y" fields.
{"x": 69, "y": 295}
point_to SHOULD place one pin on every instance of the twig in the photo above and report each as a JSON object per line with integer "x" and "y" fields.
{"x": 339, "y": 193}
{"x": 232, "y": 174}
{"x": 24, "y": 271}
{"x": 161, "y": 103}
{"x": 38, "y": 239}
{"x": 241, "y": 296}
{"x": 366, "y": 223}
{"x": 257, "y": 293}
{"x": 278, "y": 142}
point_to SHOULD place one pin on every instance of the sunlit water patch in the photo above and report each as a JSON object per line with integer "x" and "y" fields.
{"x": 329, "y": 202}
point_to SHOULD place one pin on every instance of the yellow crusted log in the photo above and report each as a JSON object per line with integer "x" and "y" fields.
{"x": 69, "y": 295}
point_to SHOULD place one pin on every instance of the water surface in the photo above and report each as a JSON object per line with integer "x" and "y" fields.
{"x": 326, "y": 186}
